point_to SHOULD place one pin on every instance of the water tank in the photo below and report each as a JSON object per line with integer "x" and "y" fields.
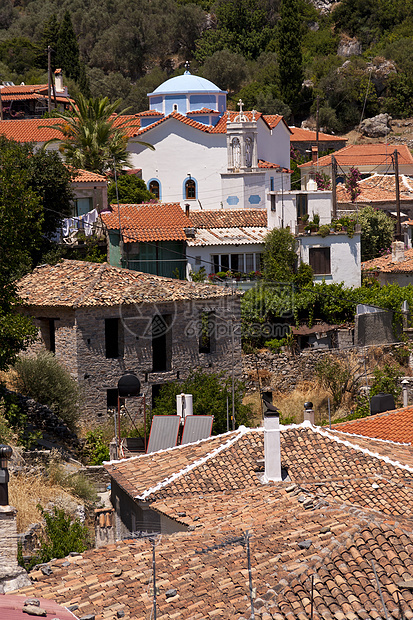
{"x": 381, "y": 402}
{"x": 184, "y": 405}
{"x": 129, "y": 385}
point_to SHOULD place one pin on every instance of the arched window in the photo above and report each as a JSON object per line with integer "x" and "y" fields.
{"x": 154, "y": 188}
{"x": 236, "y": 153}
{"x": 248, "y": 152}
{"x": 190, "y": 189}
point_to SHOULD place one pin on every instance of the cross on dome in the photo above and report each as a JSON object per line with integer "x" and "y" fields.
{"x": 187, "y": 65}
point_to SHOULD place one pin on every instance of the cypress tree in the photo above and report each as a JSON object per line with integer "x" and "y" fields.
{"x": 289, "y": 51}
{"x": 49, "y": 37}
{"x": 67, "y": 49}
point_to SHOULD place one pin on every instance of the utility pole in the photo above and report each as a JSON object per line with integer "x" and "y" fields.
{"x": 154, "y": 576}
{"x": 396, "y": 175}
{"x": 247, "y": 543}
{"x": 333, "y": 184}
{"x": 49, "y": 78}
{"x": 317, "y": 122}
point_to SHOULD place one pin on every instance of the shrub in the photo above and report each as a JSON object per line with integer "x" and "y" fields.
{"x": 96, "y": 449}
{"x": 77, "y": 483}
{"x": 45, "y": 380}
{"x": 13, "y": 422}
{"x": 63, "y": 534}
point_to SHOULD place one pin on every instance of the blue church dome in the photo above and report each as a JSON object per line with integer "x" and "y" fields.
{"x": 186, "y": 83}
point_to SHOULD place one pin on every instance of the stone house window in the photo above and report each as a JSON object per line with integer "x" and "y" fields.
{"x": 161, "y": 342}
{"x": 113, "y": 348}
{"x": 206, "y": 332}
{"x": 48, "y": 334}
{"x": 320, "y": 261}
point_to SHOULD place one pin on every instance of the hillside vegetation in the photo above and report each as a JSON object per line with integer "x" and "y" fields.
{"x": 125, "y": 49}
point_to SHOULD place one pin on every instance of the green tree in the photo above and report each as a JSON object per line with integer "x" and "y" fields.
{"x": 279, "y": 257}
{"x": 19, "y": 54}
{"x": 210, "y": 393}
{"x": 94, "y": 135}
{"x": 131, "y": 190}
{"x": 67, "y": 49}
{"x": 377, "y": 232}
{"x": 20, "y": 229}
{"x": 44, "y": 379}
{"x": 226, "y": 69}
{"x": 49, "y": 36}
{"x": 289, "y": 51}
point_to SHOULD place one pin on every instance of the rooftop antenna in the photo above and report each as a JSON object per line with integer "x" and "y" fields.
{"x": 187, "y": 65}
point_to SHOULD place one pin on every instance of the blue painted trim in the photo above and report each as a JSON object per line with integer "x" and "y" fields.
{"x": 183, "y": 188}
{"x": 254, "y": 199}
{"x": 159, "y": 183}
{"x": 232, "y": 200}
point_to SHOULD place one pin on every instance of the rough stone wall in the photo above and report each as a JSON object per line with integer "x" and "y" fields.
{"x": 80, "y": 345}
{"x": 8, "y": 536}
{"x": 283, "y": 371}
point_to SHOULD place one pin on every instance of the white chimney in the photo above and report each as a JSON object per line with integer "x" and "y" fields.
{"x": 309, "y": 415}
{"x": 311, "y": 185}
{"x": 272, "y": 447}
{"x": 397, "y": 252}
{"x": 58, "y": 78}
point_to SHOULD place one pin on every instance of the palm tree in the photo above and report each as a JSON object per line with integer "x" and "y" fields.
{"x": 94, "y": 136}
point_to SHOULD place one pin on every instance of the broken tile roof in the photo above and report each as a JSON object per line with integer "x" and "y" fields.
{"x": 148, "y": 222}
{"x": 379, "y": 188}
{"x": 298, "y": 134}
{"x": 346, "y": 509}
{"x": 227, "y": 218}
{"x": 395, "y": 426}
{"x": 385, "y": 263}
{"x": 227, "y": 236}
{"x": 75, "y": 284}
{"x": 371, "y": 155}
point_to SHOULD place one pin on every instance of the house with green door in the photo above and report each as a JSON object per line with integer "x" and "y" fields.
{"x": 150, "y": 238}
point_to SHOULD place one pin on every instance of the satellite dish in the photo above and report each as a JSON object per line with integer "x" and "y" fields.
{"x": 129, "y": 385}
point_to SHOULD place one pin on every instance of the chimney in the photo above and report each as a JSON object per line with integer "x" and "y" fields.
{"x": 8, "y": 527}
{"x": 309, "y": 415}
{"x": 272, "y": 448}
{"x": 314, "y": 154}
{"x": 5, "y": 455}
{"x": 397, "y": 251}
{"x": 187, "y": 210}
{"x": 58, "y": 78}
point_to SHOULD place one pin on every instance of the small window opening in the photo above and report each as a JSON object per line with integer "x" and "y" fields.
{"x": 154, "y": 188}
{"x": 112, "y": 338}
{"x": 112, "y": 398}
{"x": 161, "y": 342}
{"x": 175, "y": 107}
{"x": 190, "y": 189}
{"x": 206, "y": 332}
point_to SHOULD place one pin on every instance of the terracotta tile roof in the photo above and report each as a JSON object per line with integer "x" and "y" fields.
{"x": 85, "y": 176}
{"x": 203, "y": 573}
{"x": 33, "y": 130}
{"x": 379, "y": 188}
{"x": 75, "y": 284}
{"x": 384, "y": 264}
{"x": 204, "y": 111}
{"x": 268, "y": 165}
{"x": 315, "y": 459}
{"x": 221, "y": 127}
{"x": 394, "y": 425}
{"x": 226, "y": 218}
{"x": 227, "y": 236}
{"x": 365, "y": 155}
{"x": 148, "y": 222}
{"x": 298, "y": 134}
{"x": 11, "y": 608}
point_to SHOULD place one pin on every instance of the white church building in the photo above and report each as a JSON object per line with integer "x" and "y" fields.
{"x": 206, "y": 156}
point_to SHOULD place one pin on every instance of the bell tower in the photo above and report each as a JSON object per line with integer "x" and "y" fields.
{"x": 242, "y": 142}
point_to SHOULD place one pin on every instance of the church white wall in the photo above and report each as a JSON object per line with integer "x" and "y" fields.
{"x": 274, "y": 145}
{"x": 243, "y": 190}
{"x": 181, "y": 150}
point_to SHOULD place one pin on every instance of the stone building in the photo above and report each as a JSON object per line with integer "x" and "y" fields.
{"x": 102, "y": 322}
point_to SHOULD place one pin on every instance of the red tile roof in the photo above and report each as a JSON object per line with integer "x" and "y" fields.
{"x": 384, "y": 264}
{"x": 269, "y": 166}
{"x": 392, "y": 425}
{"x": 228, "y": 218}
{"x": 346, "y": 509}
{"x": 365, "y": 155}
{"x": 74, "y": 284}
{"x": 204, "y": 111}
{"x": 85, "y": 176}
{"x": 11, "y": 608}
{"x": 148, "y": 222}
{"x": 379, "y": 188}
{"x": 299, "y": 134}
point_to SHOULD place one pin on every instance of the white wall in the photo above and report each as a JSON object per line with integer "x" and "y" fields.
{"x": 243, "y": 190}
{"x": 274, "y": 145}
{"x": 181, "y": 150}
{"x": 318, "y": 202}
{"x": 345, "y": 256}
{"x": 206, "y": 252}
